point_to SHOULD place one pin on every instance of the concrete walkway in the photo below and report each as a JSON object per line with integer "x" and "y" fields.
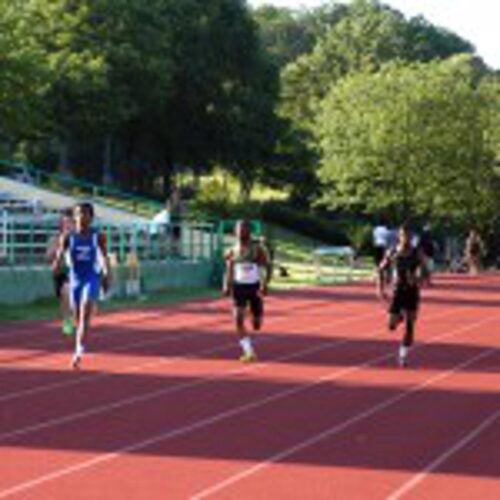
{"x": 56, "y": 201}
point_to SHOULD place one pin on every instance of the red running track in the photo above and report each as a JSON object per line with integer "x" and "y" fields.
{"x": 162, "y": 409}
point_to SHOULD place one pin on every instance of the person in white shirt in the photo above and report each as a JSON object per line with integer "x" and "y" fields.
{"x": 160, "y": 221}
{"x": 381, "y": 237}
{"x": 246, "y": 280}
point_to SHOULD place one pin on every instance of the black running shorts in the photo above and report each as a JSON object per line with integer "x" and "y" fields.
{"x": 244, "y": 295}
{"x": 405, "y": 298}
{"x": 60, "y": 279}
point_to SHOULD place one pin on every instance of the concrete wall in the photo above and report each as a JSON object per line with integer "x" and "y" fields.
{"x": 25, "y": 285}
{"x": 22, "y": 285}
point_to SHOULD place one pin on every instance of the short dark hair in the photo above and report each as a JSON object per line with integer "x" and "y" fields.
{"x": 243, "y": 223}
{"x": 86, "y": 206}
{"x": 67, "y": 212}
{"x": 405, "y": 226}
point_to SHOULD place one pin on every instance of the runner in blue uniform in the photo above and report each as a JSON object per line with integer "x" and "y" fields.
{"x": 88, "y": 269}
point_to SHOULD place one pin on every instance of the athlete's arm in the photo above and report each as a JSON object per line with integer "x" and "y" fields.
{"x": 62, "y": 246}
{"x": 228, "y": 274}
{"x": 263, "y": 262}
{"x": 106, "y": 278}
{"x": 382, "y": 269}
{"x": 420, "y": 271}
{"x": 52, "y": 247}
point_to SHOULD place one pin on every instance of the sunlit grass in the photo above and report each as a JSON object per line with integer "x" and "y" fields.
{"x": 294, "y": 264}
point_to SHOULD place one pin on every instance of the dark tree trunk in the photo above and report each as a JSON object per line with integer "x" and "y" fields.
{"x": 107, "y": 176}
{"x": 63, "y": 163}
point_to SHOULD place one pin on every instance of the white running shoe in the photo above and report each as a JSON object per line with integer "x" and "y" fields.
{"x": 402, "y": 361}
{"x": 77, "y": 357}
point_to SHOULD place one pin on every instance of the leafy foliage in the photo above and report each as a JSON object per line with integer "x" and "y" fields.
{"x": 353, "y": 102}
{"x": 414, "y": 139}
{"x": 367, "y": 36}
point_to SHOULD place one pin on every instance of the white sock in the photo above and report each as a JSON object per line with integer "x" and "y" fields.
{"x": 79, "y": 350}
{"x": 246, "y": 345}
{"x": 403, "y": 352}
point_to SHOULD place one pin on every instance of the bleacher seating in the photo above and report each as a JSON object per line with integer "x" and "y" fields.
{"x": 34, "y": 225}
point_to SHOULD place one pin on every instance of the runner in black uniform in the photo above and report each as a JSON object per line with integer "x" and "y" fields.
{"x": 407, "y": 263}
{"x": 60, "y": 276}
{"x": 244, "y": 281}
{"x": 427, "y": 248}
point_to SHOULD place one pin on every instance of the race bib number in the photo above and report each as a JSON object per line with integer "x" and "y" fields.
{"x": 246, "y": 273}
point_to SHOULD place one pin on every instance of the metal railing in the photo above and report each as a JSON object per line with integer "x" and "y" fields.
{"x": 26, "y": 241}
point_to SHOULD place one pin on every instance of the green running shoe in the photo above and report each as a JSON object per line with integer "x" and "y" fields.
{"x": 68, "y": 328}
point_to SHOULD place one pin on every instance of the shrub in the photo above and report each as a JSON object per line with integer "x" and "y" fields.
{"x": 303, "y": 222}
{"x": 360, "y": 236}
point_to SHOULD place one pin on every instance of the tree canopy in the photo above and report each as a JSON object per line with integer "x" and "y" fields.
{"x": 351, "y": 104}
{"x": 367, "y": 36}
{"x": 412, "y": 139}
{"x": 155, "y": 84}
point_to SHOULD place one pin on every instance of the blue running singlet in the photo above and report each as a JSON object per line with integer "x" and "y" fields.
{"x": 84, "y": 267}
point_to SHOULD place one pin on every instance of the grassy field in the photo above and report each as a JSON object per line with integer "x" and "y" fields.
{"x": 294, "y": 264}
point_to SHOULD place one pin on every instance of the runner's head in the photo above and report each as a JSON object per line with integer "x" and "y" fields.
{"x": 83, "y": 214}
{"x": 404, "y": 235}
{"x": 242, "y": 231}
{"x": 66, "y": 222}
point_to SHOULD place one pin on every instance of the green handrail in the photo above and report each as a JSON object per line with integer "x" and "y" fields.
{"x": 69, "y": 184}
{"x": 26, "y": 242}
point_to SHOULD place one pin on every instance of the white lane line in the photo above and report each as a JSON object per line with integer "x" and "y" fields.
{"x": 139, "y": 317}
{"x": 106, "y": 319}
{"x": 185, "y": 326}
{"x": 437, "y": 462}
{"x": 167, "y": 360}
{"x": 177, "y": 387}
{"x": 217, "y": 417}
{"x": 338, "y": 428}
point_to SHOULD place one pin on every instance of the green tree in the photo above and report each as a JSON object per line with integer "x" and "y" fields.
{"x": 153, "y": 87}
{"x": 287, "y": 34}
{"x": 24, "y": 75}
{"x": 415, "y": 139}
{"x": 222, "y": 108}
{"x": 364, "y": 36}
{"x": 368, "y": 35}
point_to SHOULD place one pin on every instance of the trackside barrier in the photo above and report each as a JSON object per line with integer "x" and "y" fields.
{"x": 25, "y": 241}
